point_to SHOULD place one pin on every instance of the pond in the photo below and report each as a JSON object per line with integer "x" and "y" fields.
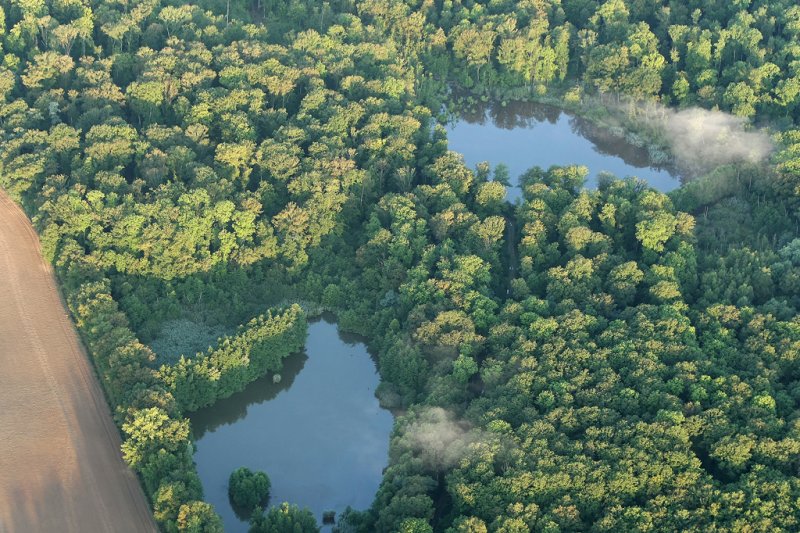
{"x": 319, "y": 434}
{"x": 524, "y": 134}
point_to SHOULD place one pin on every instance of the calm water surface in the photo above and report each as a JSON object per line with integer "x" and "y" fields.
{"x": 319, "y": 434}
{"x": 523, "y": 134}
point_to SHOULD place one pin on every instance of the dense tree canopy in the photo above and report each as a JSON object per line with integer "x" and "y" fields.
{"x": 284, "y": 519}
{"x": 639, "y": 369}
{"x": 248, "y": 490}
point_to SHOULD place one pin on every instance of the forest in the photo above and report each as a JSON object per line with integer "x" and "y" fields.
{"x": 228, "y": 160}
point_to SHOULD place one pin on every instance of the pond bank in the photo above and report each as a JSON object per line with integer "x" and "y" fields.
{"x": 319, "y": 433}
{"x": 521, "y": 135}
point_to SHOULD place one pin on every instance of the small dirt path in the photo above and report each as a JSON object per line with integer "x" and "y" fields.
{"x": 60, "y": 463}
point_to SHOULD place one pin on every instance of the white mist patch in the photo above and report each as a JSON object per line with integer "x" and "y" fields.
{"x": 439, "y": 438}
{"x": 703, "y": 139}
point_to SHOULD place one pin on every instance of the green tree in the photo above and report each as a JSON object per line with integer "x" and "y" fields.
{"x": 415, "y": 525}
{"x": 247, "y": 489}
{"x": 475, "y": 46}
{"x": 283, "y": 519}
{"x": 198, "y": 517}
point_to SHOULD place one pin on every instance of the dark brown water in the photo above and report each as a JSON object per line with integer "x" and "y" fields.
{"x": 524, "y": 134}
{"x": 319, "y": 434}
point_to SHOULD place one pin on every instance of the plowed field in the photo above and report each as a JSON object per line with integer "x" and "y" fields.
{"x": 60, "y": 463}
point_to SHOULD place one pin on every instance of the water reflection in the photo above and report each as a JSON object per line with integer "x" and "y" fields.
{"x": 231, "y": 410}
{"x": 319, "y": 434}
{"x": 513, "y": 115}
{"x": 526, "y": 134}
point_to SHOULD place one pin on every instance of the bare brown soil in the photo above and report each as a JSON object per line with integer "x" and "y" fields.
{"x": 60, "y": 463}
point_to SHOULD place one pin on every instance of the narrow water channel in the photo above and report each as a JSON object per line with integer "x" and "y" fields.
{"x": 524, "y": 134}
{"x": 319, "y": 434}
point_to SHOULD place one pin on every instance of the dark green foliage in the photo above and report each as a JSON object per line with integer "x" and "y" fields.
{"x": 640, "y": 372}
{"x": 157, "y": 443}
{"x": 256, "y": 349}
{"x": 284, "y": 519}
{"x": 247, "y": 489}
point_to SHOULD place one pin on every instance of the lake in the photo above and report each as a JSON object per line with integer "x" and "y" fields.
{"x": 525, "y": 134}
{"x": 319, "y": 434}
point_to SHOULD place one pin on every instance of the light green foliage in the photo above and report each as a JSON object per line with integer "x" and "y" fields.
{"x": 475, "y": 46}
{"x": 415, "y": 525}
{"x": 653, "y": 233}
{"x": 468, "y": 525}
{"x": 208, "y": 160}
{"x": 149, "y": 430}
{"x": 198, "y": 517}
{"x": 464, "y": 368}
